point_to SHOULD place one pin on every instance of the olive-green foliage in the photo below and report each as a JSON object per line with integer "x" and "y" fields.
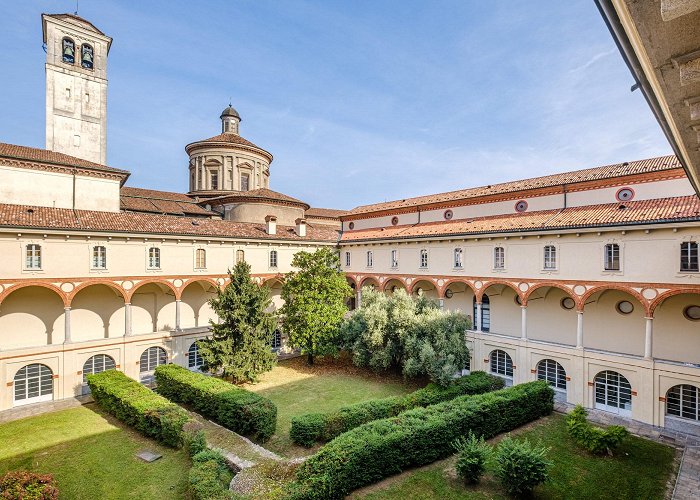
{"x": 237, "y": 409}
{"x": 312, "y": 427}
{"x": 521, "y": 466}
{"x": 594, "y": 439}
{"x": 314, "y": 302}
{"x": 24, "y": 485}
{"x": 472, "y": 455}
{"x": 139, "y": 407}
{"x": 416, "y": 437}
{"x": 209, "y": 476}
{"x": 406, "y": 333}
{"x": 239, "y": 344}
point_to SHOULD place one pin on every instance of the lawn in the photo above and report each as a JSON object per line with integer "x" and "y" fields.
{"x": 91, "y": 455}
{"x": 639, "y": 469}
{"x": 297, "y": 389}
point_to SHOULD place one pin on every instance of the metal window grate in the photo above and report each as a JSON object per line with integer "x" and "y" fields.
{"x": 501, "y": 363}
{"x": 551, "y": 372}
{"x": 97, "y": 364}
{"x": 683, "y": 401}
{"x": 152, "y": 357}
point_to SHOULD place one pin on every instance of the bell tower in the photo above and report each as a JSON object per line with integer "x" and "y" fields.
{"x": 76, "y": 86}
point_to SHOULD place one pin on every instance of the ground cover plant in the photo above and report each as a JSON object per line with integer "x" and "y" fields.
{"x": 640, "y": 469}
{"x": 311, "y": 427}
{"x": 27, "y": 486}
{"x": 233, "y": 407}
{"x": 92, "y": 455}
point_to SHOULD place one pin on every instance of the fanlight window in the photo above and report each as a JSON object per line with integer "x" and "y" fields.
{"x": 68, "y": 51}
{"x": 97, "y": 364}
{"x": 501, "y": 363}
{"x": 33, "y": 383}
{"x": 551, "y": 372}
{"x": 151, "y": 358}
{"x": 99, "y": 257}
{"x": 86, "y": 56}
{"x": 683, "y": 401}
{"x": 194, "y": 360}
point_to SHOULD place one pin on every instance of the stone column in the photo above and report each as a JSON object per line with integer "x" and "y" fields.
{"x": 648, "y": 337}
{"x": 66, "y": 319}
{"x": 523, "y": 322}
{"x": 477, "y": 320}
{"x": 127, "y": 319}
{"x": 358, "y": 301}
{"x": 579, "y": 329}
{"x": 177, "y": 315}
{"x": 441, "y": 302}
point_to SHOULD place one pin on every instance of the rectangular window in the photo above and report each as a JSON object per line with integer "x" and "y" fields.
{"x": 347, "y": 259}
{"x": 99, "y": 257}
{"x": 245, "y": 182}
{"x": 154, "y": 258}
{"x": 370, "y": 259}
{"x": 394, "y": 258}
{"x": 273, "y": 258}
{"x": 424, "y": 258}
{"x": 458, "y": 258}
{"x": 499, "y": 258}
{"x": 215, "y": 180}
{"x": 240, "y": 256}
{"x": 550, "y": 257}
{"x": 33, "y": 260}
{"x": 689, "y": 256}
{"x": 612, "y": 257}
{"x": 200, "y": 259}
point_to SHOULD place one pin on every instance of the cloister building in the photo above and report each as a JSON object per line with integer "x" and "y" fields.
{"x": 586, "y": 279}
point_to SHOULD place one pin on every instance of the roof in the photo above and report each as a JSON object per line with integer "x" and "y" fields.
{"x": 38, "y": 155}
{"x": 589, "y": 174}
{"x": 325, "y": 213}
{"x": 160, "y": 202}
{"x": 257, "y": 195}
{"x": 227, "y": 138}
{"x": 230, "y": 111}
{"x": 680, "y": 209}
{"x": 24, "y": 216}
{"x": 73, "y": 17}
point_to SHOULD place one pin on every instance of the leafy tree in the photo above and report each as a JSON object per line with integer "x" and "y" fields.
{"x": 314, "y": 302}
{"x": 240, "y": 342}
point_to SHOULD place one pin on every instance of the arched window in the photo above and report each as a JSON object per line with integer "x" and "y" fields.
{"x": 501, "y": 363}
{"x": 683, "y": 401}
{"x": 550, "y": 257}
{"x": 68, "y": 51}
{"x": 200, "y": 259}
{"x": 33, "y": 384}
{"x": 485, "y": 313}
{"x": 99, "y": 257}
{"x": 87, "y": 56}
{"x": 613, "y": 393}
{"x": 33, "y": 256}
{"x": 424, "y": 258}
{"x": 499, "y": 258}
{"x": 273, "y": 258}
{"x": 612, "y": 257}
{"x": 194, "y": 360}
{"x": 151, "y": 358}
{"x": 370, "y": 258}
{"x": 689, "y": 256}
{"x": 154, "y": 258}
{"x": 245, "y": 182}
{"x": 552, "y": 372}
{"x": 96, "y": 364}
{"x": 240, "y": 256}
{"x": 458, "y": 258}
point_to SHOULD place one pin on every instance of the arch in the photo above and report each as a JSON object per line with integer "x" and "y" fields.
{"x": 114, "y": 286}
{"x": 501, "y": 364}
{"x": 551, "y": 372}
{"x": 389, "y": 285}
{"x": 462, "y": 281}
{"x": 613, "y": 393}
{"x": 157, "y": 281}
{"x": 150, "y": 359}
{"x": 272, "y": 281}
{"x": 188, "y": 282}
{"x": 87, "y": 56}
{"x": 96, "y": 364}
{"x": 674, "y": 332}
{"x": 97, "y": 311}
{"x": 490, "y": 283}
{"x": 683, "y": 401}
{"x": 415, "y": 285}
{"x": 668, "y": 294}
{"x": 620, "y": 288}
{"x": 5, "y": 293}
{"x": 23, "y": 324}
{"x": 195, "y": 310}
{"x": 552, "y": 284}
{"x": 153, "y": 306}
{"x": 68, "y": 50}
{"x": 351, "y": 280}
{"x": 364, "y": 281}
{"x": 33, "y": 383}
{"x": 194, "y": 359}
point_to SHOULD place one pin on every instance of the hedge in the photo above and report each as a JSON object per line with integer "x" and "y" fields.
{"x": 209, "y": 476}
{"x": 595, "y": 439}
{"x": 309, "y": 428}
{"x": 416, "y": 437}
{"x": 241, "y": 411}
{"x": 139, "y": 407}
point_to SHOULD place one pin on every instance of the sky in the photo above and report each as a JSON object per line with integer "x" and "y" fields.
{"x": 359, "y": 101}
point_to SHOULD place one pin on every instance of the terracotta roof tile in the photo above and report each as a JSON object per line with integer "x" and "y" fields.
{"x": 589, "y": 174}
{"x": 685, "y": 208}
{"x": 229, "y": 138}
{"x": 45, "y": 156}
{"x": 325, "y": 213}
{"x": 160, "y": 202}
{"x": 23, "y": 216}
{"x": 261, "y": 194}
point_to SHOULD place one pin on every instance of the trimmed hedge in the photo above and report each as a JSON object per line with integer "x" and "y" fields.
{"x": 139, "y": 407}
{"x": 416, "y": 437}
{"x": 241, "y": 411}
{"x": 312, "y": 427}
{"x": 209, "y": 476}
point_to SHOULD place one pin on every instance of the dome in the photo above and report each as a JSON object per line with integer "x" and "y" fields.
{"x": 230, "y": 111}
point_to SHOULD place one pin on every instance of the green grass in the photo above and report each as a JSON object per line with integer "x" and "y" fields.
{"x": 91, "y": 455}
{"x": 639, "y": 469}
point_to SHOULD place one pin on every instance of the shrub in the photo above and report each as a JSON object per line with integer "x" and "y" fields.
{"x": 520, "y": 466}
{"x": 195, "y": 442}
{"x": 416, "y": 437}
{"x": 472, "y": 454}
{"x": 306, "y": 429}
{"x": 139, "y": 407}
{"x": 241, "y": 411}
{"x": 25, "y": 485}
{"x": 595, "y": 439}
{"x": 209, "y": 476}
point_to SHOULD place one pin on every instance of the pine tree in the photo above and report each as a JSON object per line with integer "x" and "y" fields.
{"x": 240, "y": 342}
{"x": 314, "y": 302}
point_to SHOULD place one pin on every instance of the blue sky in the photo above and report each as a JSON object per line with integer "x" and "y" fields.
{"x": 359, "y": 101}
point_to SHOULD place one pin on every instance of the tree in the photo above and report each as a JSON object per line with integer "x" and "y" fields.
{"x": 314, "y": 302}
{"x": 240, "y": 342}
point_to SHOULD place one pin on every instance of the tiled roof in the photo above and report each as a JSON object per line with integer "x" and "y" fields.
{"x": 23, "y": 216}
{"x": 52, "y": 157}
{"x": 261, "y": 194}
{"x": 325, "y": 213}
{"x": 685, "y": 208}
{"x": 73, "y": 17}
{"x": 589, "y": 174}
{"x": 160, "y": 202}
{"x": 229, "y": 138}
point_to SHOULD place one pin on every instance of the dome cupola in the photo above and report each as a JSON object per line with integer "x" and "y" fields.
{"x": 230, "y": 120}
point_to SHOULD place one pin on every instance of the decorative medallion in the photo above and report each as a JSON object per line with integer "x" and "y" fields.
{"x": 448, "y": 214}
{"x": 579, "y": 289}
{"x": 220, "y": 281}
{"x": 67, "y": 287}
{"x": 394, "y": 221}
{"x": 440, "y": 282}
{"x": 478, "y": 284}
{"x": 523, "y": 287}
{"x": 351, "y": 225}
{"x": 177, "y": 283}
{"x": 649, "y": 293}
{"x": 521, "y": 206}
{"x": 624, "y": 194}
{"x": 127, "y": 285}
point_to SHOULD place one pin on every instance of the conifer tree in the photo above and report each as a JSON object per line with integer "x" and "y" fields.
{"x": 240, "y": 342}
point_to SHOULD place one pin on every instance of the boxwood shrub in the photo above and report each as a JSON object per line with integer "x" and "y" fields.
{"x": 139, "y": 407}
{"x": 416, "y": 437}
{"x": 312, "y": 427}
{"x": 595, "y": 439}
{"x": 241, "y": 411}
{"x": 209, "y": 476}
